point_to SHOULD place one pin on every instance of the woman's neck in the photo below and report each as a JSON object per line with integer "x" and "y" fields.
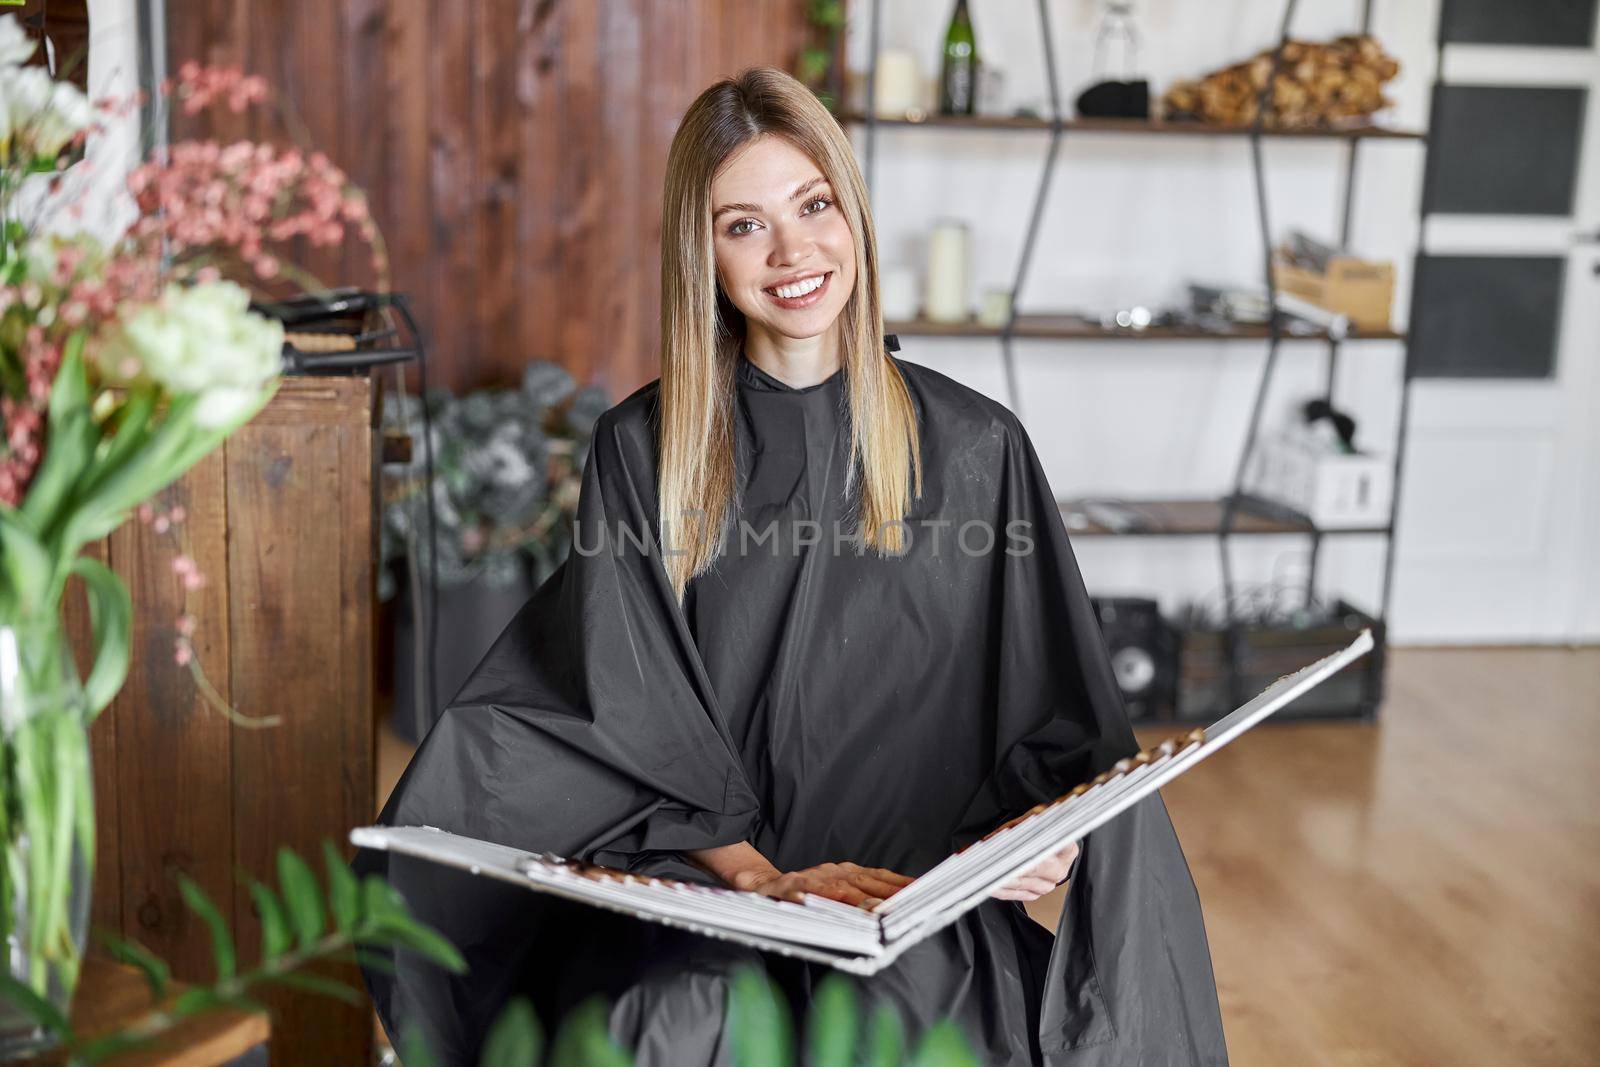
{"x": 797, "y": 362}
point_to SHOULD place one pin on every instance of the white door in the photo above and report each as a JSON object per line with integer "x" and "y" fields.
{"x": 1499, "y": 517}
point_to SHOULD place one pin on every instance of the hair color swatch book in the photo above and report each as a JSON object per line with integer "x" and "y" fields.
{"x": 845, "y": 936}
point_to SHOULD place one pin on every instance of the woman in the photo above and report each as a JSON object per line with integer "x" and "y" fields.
{"x": 821, "y": 627}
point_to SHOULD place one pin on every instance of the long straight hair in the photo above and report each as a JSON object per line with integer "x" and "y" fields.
{"x": 702, "y": 330}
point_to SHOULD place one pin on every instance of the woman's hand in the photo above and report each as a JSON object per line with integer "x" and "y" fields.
{"x": 1041, "y": 879}
{"x": 845, "y": 882}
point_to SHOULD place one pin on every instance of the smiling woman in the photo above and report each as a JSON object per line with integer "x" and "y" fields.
{"x": 762, "y": 192}
{"x": 904, "y": 658}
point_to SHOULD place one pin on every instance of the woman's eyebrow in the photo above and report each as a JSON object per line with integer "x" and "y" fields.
{"x": 796, "y": 195}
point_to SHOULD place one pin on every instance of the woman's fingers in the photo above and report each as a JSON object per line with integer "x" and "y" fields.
{"x": 842, "y": 891}
{"x": 1044, "y": 877}
{"x": 1029, "y": 886}
{"x": 1019, "y": 894}
{"x": 876, "y": 886}
{"x": 848, "y": 883}
{"x": 1012, "y": 893}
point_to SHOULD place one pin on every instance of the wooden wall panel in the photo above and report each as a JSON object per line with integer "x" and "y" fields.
{"x": 513, "y": 150}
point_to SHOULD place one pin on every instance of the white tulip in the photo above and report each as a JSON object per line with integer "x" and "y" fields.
{"x": 67, "y": 112}
{"x": 16, "y": 47}
{"x": 202, "y": 340}
{"x": 40, "y": 112}
{"x": 23, "y": 92}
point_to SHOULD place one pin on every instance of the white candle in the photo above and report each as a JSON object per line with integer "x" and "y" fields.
{"x": 947, "y": 272}
{"x": 895, "y": 88}
{"x": 996, "y": 308}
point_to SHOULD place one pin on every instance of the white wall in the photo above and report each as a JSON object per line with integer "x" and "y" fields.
{"x": 1131, "y": 220}
{"x": 97, "y": 182}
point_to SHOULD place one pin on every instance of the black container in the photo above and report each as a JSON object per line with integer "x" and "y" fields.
{"x": 1267, "y": 653}
{"x": 470, "y": 618}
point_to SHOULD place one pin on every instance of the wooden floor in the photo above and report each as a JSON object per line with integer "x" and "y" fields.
{"x": 1423, "y": 891}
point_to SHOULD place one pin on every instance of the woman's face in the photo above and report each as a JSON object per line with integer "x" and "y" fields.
{"x": 777, "y": 232}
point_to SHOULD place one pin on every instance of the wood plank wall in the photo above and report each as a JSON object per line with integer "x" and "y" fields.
{"x": 514, "y": 150}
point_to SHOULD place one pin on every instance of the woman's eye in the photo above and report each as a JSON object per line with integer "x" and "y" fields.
{"x": 826, "y": 202}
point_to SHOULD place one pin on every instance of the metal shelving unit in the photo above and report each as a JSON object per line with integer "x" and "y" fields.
{"x": 1237, "y": 513}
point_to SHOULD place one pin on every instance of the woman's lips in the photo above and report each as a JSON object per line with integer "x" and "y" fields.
{"x": 799, "y": 302}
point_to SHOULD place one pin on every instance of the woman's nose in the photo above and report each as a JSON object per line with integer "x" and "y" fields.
{"x": 789, "y": 246}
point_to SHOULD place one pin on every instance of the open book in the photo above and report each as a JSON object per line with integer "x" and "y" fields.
{"x": 847, "y": 936}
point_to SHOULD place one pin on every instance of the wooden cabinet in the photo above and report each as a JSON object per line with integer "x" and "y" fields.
{"x": 282, "y": 521}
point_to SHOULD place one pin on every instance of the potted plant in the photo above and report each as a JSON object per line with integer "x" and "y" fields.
{"x": 508, "y": 463}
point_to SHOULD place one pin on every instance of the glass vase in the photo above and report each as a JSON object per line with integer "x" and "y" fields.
{"x": 46, "y": 827}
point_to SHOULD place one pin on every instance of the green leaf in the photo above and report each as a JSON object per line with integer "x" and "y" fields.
{"x": 208, "y": 998}
{"x": 72, "y": 437}
{"x": 29, "y": 570}
{"x": 103, "y": 502}
{"x": 515, "y": 1039}
{"x": 21, "y": 995}
{"x": 414, "y": 1049}
{"x": 834, "y": 1020}
{"x": 943, "y": 1045}
{"x": 388, "y": 921}
{"x": 376, "y": 961}
{"x": 827, "y": 14}
{"x": 242, "y": 1002}
{"x": 811, "y": 66}
{"x": 156, "y": 972}
{"x": 274, "y": 928}
{"x": 303, "y": 895}
{"x": 886, "y": 1037}
{"x": 103, "y": 1048}
{"x": 111, "y": 622}
{"x": 221, "y": 940}
{"x": 127, "y": 428}
{"x": 381, "y": 900}
{"x": 316, "y": 983}
{"x": 344, "y": 892}
{"x": 758, "y": 1019}
{"x": 584, "y": 1040}
{"x": 423, "y": 940}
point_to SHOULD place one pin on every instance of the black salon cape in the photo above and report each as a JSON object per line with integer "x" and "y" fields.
{"x": 825, "y": 706}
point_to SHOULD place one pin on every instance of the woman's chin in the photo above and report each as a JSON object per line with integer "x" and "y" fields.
{"x": 801, "y": 325}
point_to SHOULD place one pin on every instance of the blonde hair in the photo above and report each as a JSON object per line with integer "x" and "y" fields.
{"x": 702, "y": 330}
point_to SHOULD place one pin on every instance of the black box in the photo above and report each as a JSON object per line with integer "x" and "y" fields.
{"x": 1267, "y": 653}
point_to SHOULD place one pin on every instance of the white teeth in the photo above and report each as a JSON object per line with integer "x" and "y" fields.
{"x": 789, "y": 292}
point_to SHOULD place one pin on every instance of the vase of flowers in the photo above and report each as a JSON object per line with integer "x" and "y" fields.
{"x": 47, "y": 820}
{"x": 124, "y": 360}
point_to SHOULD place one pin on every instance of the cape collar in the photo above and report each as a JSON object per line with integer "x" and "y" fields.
{"x": 752, "y": 375}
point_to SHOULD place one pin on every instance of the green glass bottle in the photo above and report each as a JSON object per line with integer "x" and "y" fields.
{"x": 958, "y": 80}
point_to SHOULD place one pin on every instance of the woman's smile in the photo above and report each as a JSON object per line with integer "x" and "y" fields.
{"x": 801, "y": 294}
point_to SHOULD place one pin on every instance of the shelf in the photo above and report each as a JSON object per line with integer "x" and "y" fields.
{"x": 1071, "y": 328}
{"x": 1140, "y": 127}
{"x": 1202, "y": 517}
